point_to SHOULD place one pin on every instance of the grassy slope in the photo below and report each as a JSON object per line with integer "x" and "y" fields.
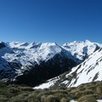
{"x": 83, "y": 93}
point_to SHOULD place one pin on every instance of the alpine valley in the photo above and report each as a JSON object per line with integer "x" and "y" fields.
{"x": 48, "y": 65}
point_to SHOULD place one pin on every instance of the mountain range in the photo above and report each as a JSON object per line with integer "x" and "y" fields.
{"x": 32, "y": 64}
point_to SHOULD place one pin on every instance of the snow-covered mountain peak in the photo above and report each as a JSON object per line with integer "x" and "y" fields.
{"x": 2, "y": 44}
{"x": 53, "y": 47}
{"x": 32, "y": 52}
{"x": 26, "y": 52}
{"x": 44, "y": 51}
{"x": 18, "y": 44}
{"x": 87, "y": 42}
{"x": 4, "y": 48}
{"x": 48, "y": 50}
{"x": 81, "y": 49}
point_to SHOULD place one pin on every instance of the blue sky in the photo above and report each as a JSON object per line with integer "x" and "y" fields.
{"x": 50, "y": 20}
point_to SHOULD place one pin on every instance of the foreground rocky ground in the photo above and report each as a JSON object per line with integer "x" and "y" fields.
{"x": 89, "y": 92}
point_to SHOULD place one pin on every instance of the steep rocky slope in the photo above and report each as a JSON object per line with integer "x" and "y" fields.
{"x": 88, "y": 71}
